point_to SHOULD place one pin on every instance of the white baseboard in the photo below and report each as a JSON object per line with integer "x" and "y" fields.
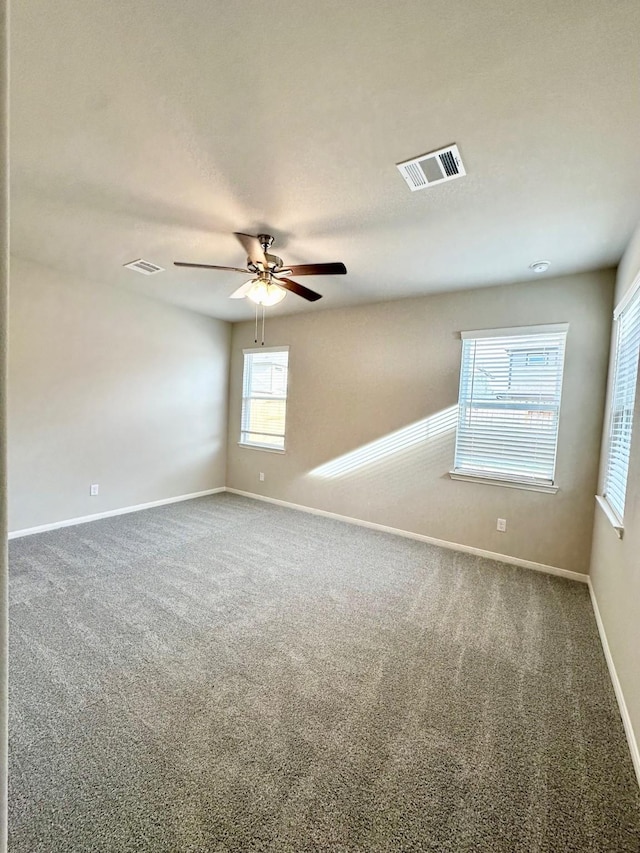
{"x": 420, "y": 537}
{"x": 617, "y": 687}
{"x": 69, "y": 522}
{"x": 442, "y": 543}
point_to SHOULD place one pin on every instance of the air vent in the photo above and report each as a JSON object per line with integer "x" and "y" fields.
{"x": 433, "y": 168}
{"x": 145, "y": 267}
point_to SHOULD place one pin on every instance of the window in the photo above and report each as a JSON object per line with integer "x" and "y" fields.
{"x": 264, "y": 397}
{"x": 509, "y": 405}
{"x": 623, "y": 394}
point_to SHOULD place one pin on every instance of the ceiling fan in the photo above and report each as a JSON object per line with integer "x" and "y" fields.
{"x": 270, "y": 281}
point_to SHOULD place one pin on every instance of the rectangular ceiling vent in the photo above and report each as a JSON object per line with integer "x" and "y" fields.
{"x": 145, "y": 267}
{"x": 439, "y": 166}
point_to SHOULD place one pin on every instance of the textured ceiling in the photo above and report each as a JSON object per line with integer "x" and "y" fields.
{"x": 154, "y": 129}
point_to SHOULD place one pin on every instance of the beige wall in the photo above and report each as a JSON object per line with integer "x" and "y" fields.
{"x": 360, "y": 374}
{"x": 615, "y": 564}
{"x": 107, "y": 386}
{"x": 4, "y": 288}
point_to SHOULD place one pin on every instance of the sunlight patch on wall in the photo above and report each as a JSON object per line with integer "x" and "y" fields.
{"x": 423, "y": 432}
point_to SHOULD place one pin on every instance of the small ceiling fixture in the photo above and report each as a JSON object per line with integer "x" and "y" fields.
{"x": 539, "y": 266}
{"x": 145, "y": 267}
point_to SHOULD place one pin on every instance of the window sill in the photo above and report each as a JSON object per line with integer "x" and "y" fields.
{"x": 509, "y": 484}
{"x": 263, "y": 447}
{"x": 613, "y": 519}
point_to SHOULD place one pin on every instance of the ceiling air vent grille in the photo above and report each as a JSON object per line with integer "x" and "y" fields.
{"x": 416, "y": 176}
{"x": 439, "y": 166}
{"x": 145, "y": 267}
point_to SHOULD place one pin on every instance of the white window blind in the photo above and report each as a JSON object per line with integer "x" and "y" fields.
{"x": 623, "y": 396}
{"x": 264, "y": 397}
{"x": 509, "y": 403}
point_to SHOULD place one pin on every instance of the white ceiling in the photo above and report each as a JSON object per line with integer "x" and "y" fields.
{"x": 155, "y": 129}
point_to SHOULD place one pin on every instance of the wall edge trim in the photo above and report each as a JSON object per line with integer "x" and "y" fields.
{"x": 421, "y": 537}
{"x": 83, "y": 519}
{"x": 617, "y": 687}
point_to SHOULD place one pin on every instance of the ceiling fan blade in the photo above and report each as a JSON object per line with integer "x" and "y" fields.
{"x": 318, "y": 269}
{"x": 209, "y": 267}
{"x": 242, "y": 291}
{"x": 253, "y": 248}
{"x": 298, "y": 289}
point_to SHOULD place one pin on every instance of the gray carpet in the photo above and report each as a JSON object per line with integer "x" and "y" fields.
{"x": 227, "y": 675}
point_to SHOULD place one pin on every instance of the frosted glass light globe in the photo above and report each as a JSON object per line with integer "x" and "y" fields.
{"x": 263, "y": 293}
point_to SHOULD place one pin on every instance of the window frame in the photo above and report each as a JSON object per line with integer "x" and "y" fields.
{"x": 251, "y": 445}
{"x": 629, "y": 302}
{"x": 506, "y": 478}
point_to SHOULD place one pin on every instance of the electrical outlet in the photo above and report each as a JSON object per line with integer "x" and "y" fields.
{"x": 502, "y": 525}
{"x": 261, "y": 477}
{"x": 95, "y": 488}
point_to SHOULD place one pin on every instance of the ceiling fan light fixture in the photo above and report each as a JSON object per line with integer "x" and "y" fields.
{"x": 270, "y": 282}
{"x": 264, "y": 293}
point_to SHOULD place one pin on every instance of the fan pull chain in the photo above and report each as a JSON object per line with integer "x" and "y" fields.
{"x": 255, "y": 337}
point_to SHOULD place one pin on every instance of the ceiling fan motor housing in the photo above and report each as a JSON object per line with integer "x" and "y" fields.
{"x": 273, "y": 263}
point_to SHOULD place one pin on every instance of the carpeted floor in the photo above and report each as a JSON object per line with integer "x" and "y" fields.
{"x": 227, "y": 675}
